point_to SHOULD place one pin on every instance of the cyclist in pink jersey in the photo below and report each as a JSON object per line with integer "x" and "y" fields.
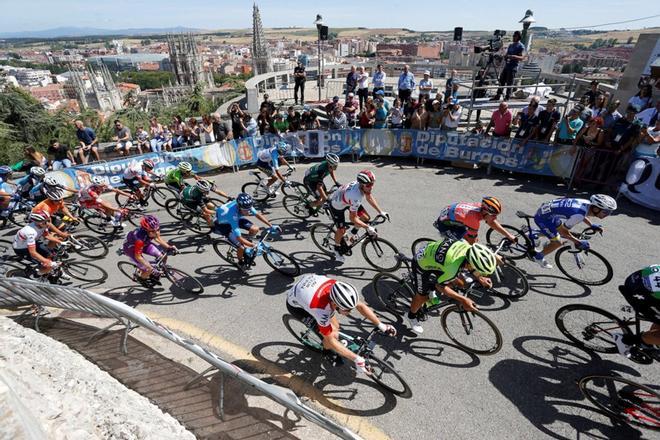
{"x": 462, "y": 220}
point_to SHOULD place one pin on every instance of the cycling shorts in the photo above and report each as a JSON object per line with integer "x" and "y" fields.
{"x": 312, "y": 186}
{"x": 132, "y": 184}
{"x": 641, "y": 300}
{"x": 227, "y": 231}
{"x": 339, "y": 216}
{"x": 266, "y": 168}
{"x": 41, "y": 248}
{"x": 151, "y": 250}
{"x": 452, "y": 231}
{"x": 193, "y": 206}
{"x": 175, "y": 186}
{"x": 90, "y": 204}
{"x": 425, "y": 280}
{"x": 549, "y": 226}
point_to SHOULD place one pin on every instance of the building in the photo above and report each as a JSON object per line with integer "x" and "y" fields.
{"x": 94, "y": 90}
{"x": 261, "y": 62}
{"x": 31, "y": 77}
{"x": 52, "y": 92}
{"x": 186, "y": 63}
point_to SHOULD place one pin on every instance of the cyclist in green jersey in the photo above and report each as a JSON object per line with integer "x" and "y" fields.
{"x": 196, "y": 198}
{"x": 314, "y": 179}
{"x": 175, "y": 178}
{"x": 438, "y": 265}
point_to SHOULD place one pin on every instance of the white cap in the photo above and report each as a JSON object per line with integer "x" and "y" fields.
{"x": 426, "y": 72}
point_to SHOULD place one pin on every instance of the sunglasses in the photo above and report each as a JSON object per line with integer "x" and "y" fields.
{"x": 606, "y": 211}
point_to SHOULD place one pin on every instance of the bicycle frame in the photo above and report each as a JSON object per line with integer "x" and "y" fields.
{"x": 262, "y": 181}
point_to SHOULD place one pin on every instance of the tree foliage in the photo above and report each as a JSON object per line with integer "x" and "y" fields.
{"x": 147, "y": 80}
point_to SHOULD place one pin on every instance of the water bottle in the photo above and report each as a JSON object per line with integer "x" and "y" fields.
{"x": 433, "y": 300}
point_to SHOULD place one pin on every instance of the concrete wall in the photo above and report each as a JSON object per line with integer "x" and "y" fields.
{"x": 643, "y": 51}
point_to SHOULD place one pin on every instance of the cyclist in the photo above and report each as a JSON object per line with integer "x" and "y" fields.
{"x": 268, "y": 161}
{"x": 29, "y": 181}
{"x": 556, "y": 218}
{"x": 6, "y": 191}
{"x": 316, "y": 298}
{"x": 438, "y": 265}
{"x": 230, "y": 219}
{"x": 141, "y": 241}
{"x": 196, "y": 199}
{"x": 89, "y": 197}
{"x": 55, "y": 207}
{"x": 38, "y": 192}
{"x": 349, "y": 196}
{"x": 462, "y": 220}
{"x": 137, "y": 175}
{"x": 28, "y": 245}
{"x": 314, "y": 179}
{"x": 642, "y": 290}
{"x": 174, "y": 179}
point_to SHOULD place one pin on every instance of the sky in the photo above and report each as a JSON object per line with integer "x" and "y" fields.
{"x": 416, "y": 14}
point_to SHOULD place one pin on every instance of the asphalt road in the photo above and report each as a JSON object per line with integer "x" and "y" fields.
{"x": 527, "y": 390}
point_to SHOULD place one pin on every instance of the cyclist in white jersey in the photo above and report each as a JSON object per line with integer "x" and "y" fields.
{"x": 89, "y": 197}
{"x": 349, "y": 197}
{"x": 316, "y": 298}
{"x": 137, "y": 175}
{"x": 28, "y": 245}
{"x": 268, "y": 161}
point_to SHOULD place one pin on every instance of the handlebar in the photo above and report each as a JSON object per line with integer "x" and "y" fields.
{"x": 378, "y": 220}
{"x": 589, "y": 232}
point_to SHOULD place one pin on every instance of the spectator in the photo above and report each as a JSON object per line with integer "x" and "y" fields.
{"x": 408, "y": 112}
{"x": 88, "y": 143}
{"x": 206, "y": 130}
{"x": 380, "y": 95}
{"x": 351, "y": 81}
{"x": 250, "y": 126}
{"x": 268, "y": 105}
{"x": 60, "y": 156}
{"x": 643, "y": 99}
{"x": 454, "y": 90}
{"x": 368, "y": 114}
{"x": 478, "y": 128}
{"x": 142, "y": 139}
{"x": 280, "y": 124}
{"x": 178, "y": 129}
{"x": 396, "y": 114}
{"x": 452, "y": 116}
{"x": 548, "y": 120}
{"x": 168, "y": 138}
{"x": 156, "y": 133}
{"x": 406, "y": 84}
{"x": 425, "y": 86}
{"x": 330, "y": 107}
{"x": 611, "y": 115}
{"x": 500, "y": 121}
{"x": 309, "y": 120}
{"x": 650, "y": 115}
{"x": 221, "y": 129}
{"x": 569, "y": 127}
{"x": 599, "y": 106}
{"x": 381, "y": 114}
{"x": 435, "y": 115}
{"x": 192, "y": 132}
{"x": 592, "y": 135}
{"x": 362, "y": 86}
{"x": 651, "y": 139}
{"x": 423, "y": 102}
{"x": 33, "y": 158}
{"x": 338, "y": 119}
{"x": 299, "y": 78}
{"x": 379, "y": 79}
{"x": 514, "y": 55}
{"x": 593, "y": 93}
{"x": 449, "y": 85}
{"x": 264, "y": 121}
{"x": 350, "y": 109}
{"x": 293, "y": 118}
{"x": 123, "y": 138}
{"x": 477, "y": 93}
{"x": 527, "y": 121}
{"x": 419, "y": 119}
{"x": 236, "y": 116}
{"x": 620, "y": 140}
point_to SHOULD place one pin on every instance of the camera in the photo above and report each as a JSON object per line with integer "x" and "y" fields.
{"x": 494, "y": 44}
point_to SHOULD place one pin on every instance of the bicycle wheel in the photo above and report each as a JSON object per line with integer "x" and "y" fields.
{"x": 84, "y": 271}
{"x": 633, "y": 403}
{"x": 516, "y": 251}
{"x": 161, "y": 195}
{"x": 472, "y": 331}
{"x": 296, "y": 206}
{"x": 183, "y": 281}
{"x": 323, "y": 237}
{"x": 226, "y": 250}
{"x": 128, "y": 269}
{"x": 100, "y": 224}
{"x": 6, "y": 250}
{"x": 590, "y": 327}
{"x": 384, "y": 375}
{"x": 393, "y": 293}
{"x": 196, "y": 223}
{"x": 419, "y": 244}
{"x": 258, "y": 191}
{"x": 92, "y": 247}
{"x": 282, "y": 263}
{"x": 20, "y": 216}
{"x": 381, "y": 254}
{"x": 173, "y": 208}
{"x": 303, "y": 333}
{"x": 296, "y": 189}
{"x": 509, "y": 282}
{"x": 589, "y": 267}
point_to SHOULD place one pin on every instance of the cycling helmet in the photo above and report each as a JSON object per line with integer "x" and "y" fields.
{"x": 50, "y": 181}
{"x": 185, "y": 167}
{"x": 332, "y": 159}
{"x": 97, "y": 180}
{"x": 344, "y": 295}
{"x": 150, "y": 223}
{"x": 282, "y": 147}
{"x": 149, "y": 164}
{"x": 603, "y": 201}
{"x": 37, "y": 171}
{"x": 203, "y": 186}
{"x": 5, "y": 170}
{"x": 54, "y": 193}
{"x": 366, "y": 177}
{"x": 482, "y": 259}
{"x": 40, "y": 216}
{"x": 491, "y": 205}
{"x": 244, "y": 201}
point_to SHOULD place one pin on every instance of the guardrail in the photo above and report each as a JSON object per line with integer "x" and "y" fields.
{"x": 20, "y": 291}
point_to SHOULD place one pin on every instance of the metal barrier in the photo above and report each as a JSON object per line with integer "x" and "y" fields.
{"x": 597, "y": 166}
{"x": 19, "y": 291}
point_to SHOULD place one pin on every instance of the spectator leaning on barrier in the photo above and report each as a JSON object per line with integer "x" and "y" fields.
{"x": 350, "y": 109}
{"x": 425, "y": 86}
{"x": 406, "y": 84}
{"x": 452, "y": 116}
{"x": 309, "y": 120}
{"x": 338, "y": 119}
{"x": 362, "y": 86}
{"x": 514, "y": 55}
{"x": 436, "y": 115}
{"x": 569, "y": 127}
{"x": 592, "y": 135}
{"x": 264, "y": 121}
{"x": 330, "y": 107}
{"x": 527, "y": 121}
{"x": 368, "y": 114}
{"x": 381, "y": 114}
{"x": 396, "y": 114}
{"x": 500, "y": 121}
{"x": 351, "y": 81}
{"x": 419, "y": 119}
{"x": 408, "y": 111}
{"x": 250, "y": 126}
{"x": 299, "y": 78}
{"x": 236, "y": 116}
{"x": 206, "y": 130}
{"x": 60, "y": 156}
{"x": 88, "y": 143}
{"x": 280, "y": 124}
{"x": 192, "y": 132}
{"x": 379, "y": 79}
{"x": 293, "y": 118}
{"x": 611, "y": 115}
{"x": 547, "y": 123}
{"x": 221, "y": 129}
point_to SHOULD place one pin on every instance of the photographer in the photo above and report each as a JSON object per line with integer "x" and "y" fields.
{"x": 514, "y": 55}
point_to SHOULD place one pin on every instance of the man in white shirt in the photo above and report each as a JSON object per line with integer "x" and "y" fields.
{"x": 379, "y": 80}
{"x": 362, "y": 86}
{"x": 425, "y": 86}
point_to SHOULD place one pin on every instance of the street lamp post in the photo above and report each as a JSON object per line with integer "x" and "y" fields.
{"x": 319, "y": 23}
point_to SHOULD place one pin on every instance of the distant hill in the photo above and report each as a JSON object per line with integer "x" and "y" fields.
{"x": 61, "y": 32}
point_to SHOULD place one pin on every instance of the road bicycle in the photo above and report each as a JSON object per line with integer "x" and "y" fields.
{"x": 18, "y": 211}
{"x": 153, "y": 191}
{"x": 472, "y": 331}
{"x": 260, "y": 191}
{"x": 623, "y": 400}
{"x": 98, "y": 221}
{"x": 381, "y": 372}
{"x": 177, "y": 277}
{"x": 378, "y": 252}
{"x": 279, "y": 261}
{"x": 592, "y": 328}
{"x": 586, "y": 267}
{"x": 84, "y": 245}
{"x": 299, "y": 203}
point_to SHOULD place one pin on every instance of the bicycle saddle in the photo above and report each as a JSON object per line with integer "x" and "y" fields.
{"x": 523, "y": 215}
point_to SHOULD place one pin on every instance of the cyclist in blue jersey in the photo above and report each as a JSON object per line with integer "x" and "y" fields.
{"x": 25, "y": 184}
{"x": 230, "y": 219}
{"x": 6, "y": 190}
{"x": 268, "y": 161}
{"x": 556, "y": 218}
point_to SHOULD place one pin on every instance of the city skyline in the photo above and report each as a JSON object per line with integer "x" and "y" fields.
{"x": 212, "y": 15}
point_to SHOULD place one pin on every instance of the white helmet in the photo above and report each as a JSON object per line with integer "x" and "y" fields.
{"x": 332, "y": 159}
{"x": 185, "y": 167}
{"x": 54, "y": 194}
{"x": 344, "y": 295}
{"x": 37, "y": 171}
{"x": 50, "y": 181}
{"x": 97, "y": 180}
{"x": 603, "y": 201}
